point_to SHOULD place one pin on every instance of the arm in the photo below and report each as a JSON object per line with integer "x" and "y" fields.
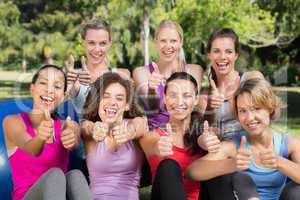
{"x": 197, "y": 72}
{"x": 215, "y": 164}
{"x": 291, "y": 167}
{"x": 16, "y": 136}
{"x": 140, "y": 76}
{"x": 139, "y": 125}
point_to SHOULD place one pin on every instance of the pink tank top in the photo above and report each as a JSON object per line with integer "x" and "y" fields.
{"x": 27, "y": 169}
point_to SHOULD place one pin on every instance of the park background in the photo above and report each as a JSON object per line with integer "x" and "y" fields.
{"x": 36, "y": 32}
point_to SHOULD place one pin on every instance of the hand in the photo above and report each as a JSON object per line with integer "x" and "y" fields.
{"x": 216, "y": 98}
{"x": 155, "y": 78}
{"x": 164, "y": 145}
{"x": 71, "y": 72}
{"x": 208, "y": 140}
{"x": 99, "y": 131}
{"x": 268, "y": 159}
{"x": 243, "y": 157}
{"x": 45, "y": 130}
{"x": 84, "y": 74}
{"x": 122, "y": 134}
{"x": 68, "y": 137}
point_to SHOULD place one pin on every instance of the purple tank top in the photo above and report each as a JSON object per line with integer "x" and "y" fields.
{"x": 27, "y": 169}
{"x": 115, "y": 175}
{"x": 157, "y": 119}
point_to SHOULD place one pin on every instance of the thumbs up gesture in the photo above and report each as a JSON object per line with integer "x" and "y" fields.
{"x": 155, "y": 78}
{"x": 164, "y": 145}
{"x": 216, "y": 98}
{"x": 243, "y": 157}
{"x": 122, "y": 132}
{"x": 208, "y": 140}
{"x": 268, "y": 158}
{"x": 45, "y": 130}
{"x": 69, "y": 138}
{"x": 99, "y": 131}
{"x": 84, "y": 74}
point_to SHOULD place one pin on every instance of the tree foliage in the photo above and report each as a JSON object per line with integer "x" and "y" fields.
{"x": 28, "y": 27}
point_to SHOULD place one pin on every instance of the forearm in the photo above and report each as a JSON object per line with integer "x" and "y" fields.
{"x": 201, "y": 170}
{"x": 289, "y": 168}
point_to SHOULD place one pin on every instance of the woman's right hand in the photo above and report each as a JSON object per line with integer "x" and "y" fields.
{"x": 216, "y": 98}
{"x": 208, "y": 139}
{"x": 155, "y": 78}
{"x": 99, "y": 131}
{"x": 45, "y": 129}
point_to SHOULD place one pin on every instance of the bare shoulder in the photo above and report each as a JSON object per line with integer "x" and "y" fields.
{"x": 194, "y": 67}
{"x": 140, "y": 71}
{"x": 254, "y": 75}
{"x": 293, "y": 144}
{"x": 140, "y": 76}
{"x": 125, "y": 73}
{"x": 12, "y": 127}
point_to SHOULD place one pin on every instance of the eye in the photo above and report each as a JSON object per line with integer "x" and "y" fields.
{"x": 91, "y": 42}
{"x": 105, "y": 96}
{"x": 58, "y": 87}
{"x": 173, "y": 41}
{"x": 102, "y": 44}
{"x": 215, "y": 50}
{"x": 241, "y": 111}
{"x": 229, "y": 51}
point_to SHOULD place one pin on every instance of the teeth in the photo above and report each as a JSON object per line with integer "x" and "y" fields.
{"x": 110, "y": 111}
{"x": 46, "y": 98}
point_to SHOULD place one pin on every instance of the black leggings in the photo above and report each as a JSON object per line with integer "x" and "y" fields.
{"x": 218, "y": 188}
{"x": 245, "y": 188}
{"x": 168, "y": 182}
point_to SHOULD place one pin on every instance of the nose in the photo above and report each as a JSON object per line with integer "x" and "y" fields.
{"x": 250, "y": 115}
{"x": 223, "y": 55}
{"x": 97, "y": 47}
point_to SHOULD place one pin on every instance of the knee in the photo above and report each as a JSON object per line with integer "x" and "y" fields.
{"x": 168, "y": 166}
{"x": 75, "y": 175}
{"x": 55, "y": 174}
{"x": 291, "y": 191}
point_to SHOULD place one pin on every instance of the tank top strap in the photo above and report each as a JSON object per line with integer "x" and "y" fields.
{"x": 151, "y": 68}
{"x": 27, "y": 123}
{"x": 284, "y": 145}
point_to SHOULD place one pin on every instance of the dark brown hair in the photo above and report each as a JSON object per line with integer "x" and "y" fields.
{"x": 97, "y": 90}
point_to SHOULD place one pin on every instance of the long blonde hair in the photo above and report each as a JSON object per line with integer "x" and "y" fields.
{"x": 174, "y": 25}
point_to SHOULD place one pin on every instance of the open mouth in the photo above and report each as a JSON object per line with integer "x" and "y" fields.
{"x": 253, "y": 125}
{"x": 222, "y": 66}
{"x": 110, "y": 112}
{"x": 168, "y": 53}
{"x": 47, "y": 100}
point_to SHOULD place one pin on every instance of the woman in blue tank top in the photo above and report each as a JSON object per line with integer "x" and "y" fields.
{"x": 266, "y": 156}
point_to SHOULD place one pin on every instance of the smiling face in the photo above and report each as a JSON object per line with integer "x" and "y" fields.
{"x": 180, "y": 99}
{"x": 168, "y": 43}
{"x": 48, "y": 89}
{"x": 113, "y": 103}
{"x": 222, "y": 55}
{"x": 96, "y": 43}
{"x": 253, "y": 118}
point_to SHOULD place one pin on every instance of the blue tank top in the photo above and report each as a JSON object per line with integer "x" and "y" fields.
{"x": 269, "y": 182}
{"x": 160, "y": 118}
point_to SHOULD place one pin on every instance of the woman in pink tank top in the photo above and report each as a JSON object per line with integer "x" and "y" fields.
{"x": 38, "y": 142}
{"x": 113, "y": 158}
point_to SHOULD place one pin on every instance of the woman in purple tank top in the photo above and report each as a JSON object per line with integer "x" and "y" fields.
{"x": 38, "y": 143}
{"x": 114, "y": 159}
{"x": 150, "y": 79}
